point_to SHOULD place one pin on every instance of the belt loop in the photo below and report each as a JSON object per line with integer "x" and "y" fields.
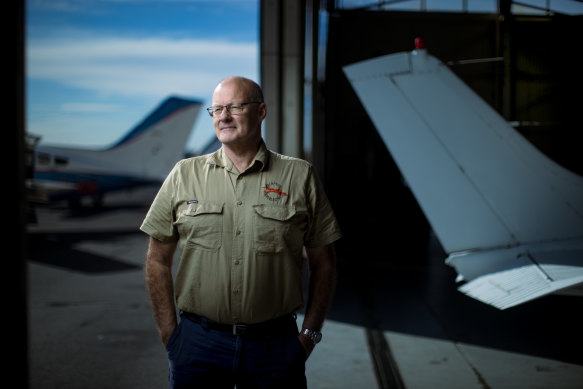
{"x": 239, "y": 329}
{"x": 204, "y": 322}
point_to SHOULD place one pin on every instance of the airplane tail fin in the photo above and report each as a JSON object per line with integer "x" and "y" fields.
{"x": 492, "y": 198}
{"x": 158, "y": 142}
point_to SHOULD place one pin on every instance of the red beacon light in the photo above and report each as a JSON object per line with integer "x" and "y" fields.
{"x": 419, "y": 43}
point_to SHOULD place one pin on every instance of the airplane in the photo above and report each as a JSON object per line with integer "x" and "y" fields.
{"x": 509, "y": 218}
{"x": 143, "y": 156}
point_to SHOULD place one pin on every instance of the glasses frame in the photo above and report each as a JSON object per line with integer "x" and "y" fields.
{"x": 228, "y": 107}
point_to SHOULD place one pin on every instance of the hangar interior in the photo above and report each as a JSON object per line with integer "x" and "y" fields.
{"x": 517, "y": 57}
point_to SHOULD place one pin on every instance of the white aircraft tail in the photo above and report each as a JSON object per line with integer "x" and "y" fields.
{"x": 156, "y": 144}
{"x": 149, "y": 150}
{"x": 510, "y": 218}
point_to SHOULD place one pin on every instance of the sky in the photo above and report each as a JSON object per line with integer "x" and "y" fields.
{"x": 96, "y": 68}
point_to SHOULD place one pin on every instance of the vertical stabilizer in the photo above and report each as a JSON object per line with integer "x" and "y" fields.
{"x": 158, "y": 142}
{"x": 495, "y": 202}
{"x": 142, "y": 157}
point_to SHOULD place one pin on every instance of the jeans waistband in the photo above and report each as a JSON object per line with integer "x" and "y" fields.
{"x": 271, "y": 327}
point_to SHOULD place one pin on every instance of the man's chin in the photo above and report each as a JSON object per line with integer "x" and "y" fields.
{"x": 226, "y": 136}
{"x": 226, "y": 140}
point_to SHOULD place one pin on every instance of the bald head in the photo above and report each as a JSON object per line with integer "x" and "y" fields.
{"x": 238, "y": 127}
{"x": 249, "y": 87}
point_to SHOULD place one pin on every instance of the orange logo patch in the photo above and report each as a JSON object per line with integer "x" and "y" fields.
{"x": 273, "y": 192}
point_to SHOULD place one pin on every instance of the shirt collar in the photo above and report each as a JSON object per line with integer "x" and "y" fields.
{"x": 220, "y": 158}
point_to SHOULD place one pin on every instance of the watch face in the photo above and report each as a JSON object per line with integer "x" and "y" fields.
{"x": 317, "y": 336}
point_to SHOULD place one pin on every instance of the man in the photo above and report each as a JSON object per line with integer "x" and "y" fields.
{"x": 241, "y": 217}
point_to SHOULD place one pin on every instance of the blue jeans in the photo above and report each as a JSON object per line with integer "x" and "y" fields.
{"x": 201, "y": 357}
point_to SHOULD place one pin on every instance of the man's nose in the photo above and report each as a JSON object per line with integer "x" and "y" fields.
{"x": 225, "y": 114}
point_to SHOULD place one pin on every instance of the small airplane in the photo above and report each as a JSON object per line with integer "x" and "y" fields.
{"x": 144, "y": 156}
{"x": 267, "y": 189}
{"x": 509, "y": 218}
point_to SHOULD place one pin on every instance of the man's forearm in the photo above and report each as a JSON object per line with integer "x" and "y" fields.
{"x": 321, "y": 288}
{"x": 322, "y": 283}
{"x": 159, "y": 284}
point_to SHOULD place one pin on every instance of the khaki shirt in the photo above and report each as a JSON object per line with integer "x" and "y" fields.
{"x": 241, "y": 235}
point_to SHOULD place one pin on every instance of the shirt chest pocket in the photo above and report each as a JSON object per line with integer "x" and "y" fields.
{"x": 277, "y": 228}
{"x": 201, "y": 224}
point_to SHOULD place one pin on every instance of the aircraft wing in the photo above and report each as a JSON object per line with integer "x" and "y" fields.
{"x": 510, "y": 218}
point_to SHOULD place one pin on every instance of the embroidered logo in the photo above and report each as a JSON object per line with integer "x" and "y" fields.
{"x": 273, "y": 192}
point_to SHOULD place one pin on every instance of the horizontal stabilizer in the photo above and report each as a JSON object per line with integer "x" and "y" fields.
{"x": 507, "y": 277}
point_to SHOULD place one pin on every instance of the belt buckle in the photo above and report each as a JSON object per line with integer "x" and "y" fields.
{"x": 239, "y": 329}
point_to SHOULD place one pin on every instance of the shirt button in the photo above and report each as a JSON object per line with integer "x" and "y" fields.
{"x": 237, "y": 262}
{"x": 238, "y": 232}
{"x": 239, "y": 203}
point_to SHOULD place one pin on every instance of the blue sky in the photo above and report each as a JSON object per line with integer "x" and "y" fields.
{"x": 95, "y": 68}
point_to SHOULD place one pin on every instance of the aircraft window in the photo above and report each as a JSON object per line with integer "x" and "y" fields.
{"x": 43, "y": 158}
{"x": 61, "y": 161}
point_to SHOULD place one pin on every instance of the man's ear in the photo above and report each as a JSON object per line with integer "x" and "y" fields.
{"x": 262, "y": 111}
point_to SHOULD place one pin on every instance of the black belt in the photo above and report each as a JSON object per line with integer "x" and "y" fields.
{"x": 270, "y": 327}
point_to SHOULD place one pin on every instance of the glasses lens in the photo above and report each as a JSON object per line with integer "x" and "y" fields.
{"x": 235, "y": 108}
{"x": 215, "y": 111}
{"x": 231, "y": 108}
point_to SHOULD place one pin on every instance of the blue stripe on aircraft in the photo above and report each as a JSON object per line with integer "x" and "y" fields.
{"x": 89, "y": 184}
{"x": 169, "y": 106}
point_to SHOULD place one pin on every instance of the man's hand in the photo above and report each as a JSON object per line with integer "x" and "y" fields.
{"x": 307, "y": 343}
{"x": 165, "y": 334}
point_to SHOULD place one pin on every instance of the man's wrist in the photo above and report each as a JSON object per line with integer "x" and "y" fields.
{"x": 312, "y": 335}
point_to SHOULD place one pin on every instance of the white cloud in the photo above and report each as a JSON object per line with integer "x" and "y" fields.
{"x": 117, "y": 80}
{"x": 89, "y": 107}
{"x": 145, "y": 67}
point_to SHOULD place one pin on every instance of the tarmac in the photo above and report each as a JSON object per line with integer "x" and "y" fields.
{"x": 393, "y": 324}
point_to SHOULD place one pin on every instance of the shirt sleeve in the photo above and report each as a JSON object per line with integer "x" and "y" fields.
{"x": 323, "y": 228}
{"x": 159, "y": 221}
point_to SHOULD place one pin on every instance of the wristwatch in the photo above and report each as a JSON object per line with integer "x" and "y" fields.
{"x": 315, "y": 336}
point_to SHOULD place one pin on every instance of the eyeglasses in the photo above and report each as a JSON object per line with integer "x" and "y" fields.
{"x": 233, "y": 109}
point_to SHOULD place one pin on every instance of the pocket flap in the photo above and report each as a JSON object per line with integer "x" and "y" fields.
{"x": 274, "y": 212}
{"x": 203, "y": 207}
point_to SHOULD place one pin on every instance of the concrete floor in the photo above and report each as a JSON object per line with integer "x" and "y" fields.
{"x": 91, "y": 326}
